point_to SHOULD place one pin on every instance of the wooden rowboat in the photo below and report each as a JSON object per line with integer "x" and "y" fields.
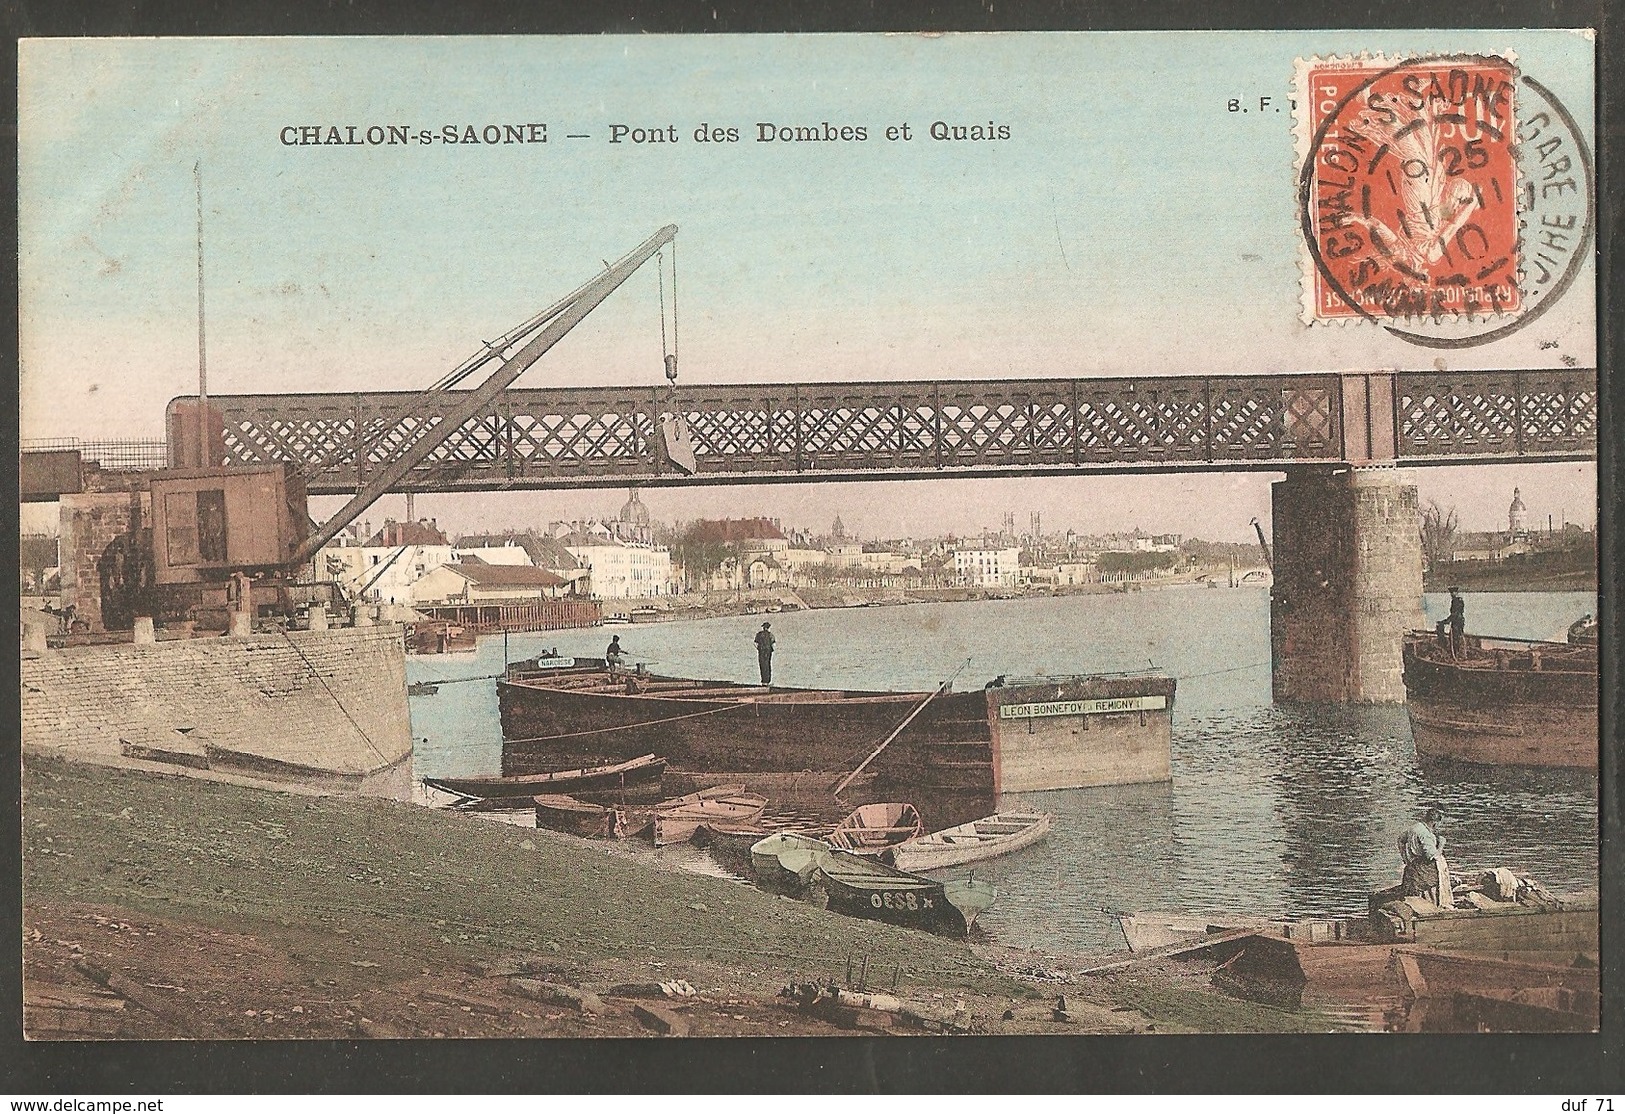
{"x": 871, "y": 829}
{"x": 986, "y": 838}
{"x": 1153, "y": 929}
{"x": 859, "y": 886}
{"x": 677, "y": 824}
{"x": 635, "y": 773}
{"x": 786, "y": 861}
{"x": 636, "y": 820}
{"x": 566, "y": 814}
{"x": 595, "y": 820}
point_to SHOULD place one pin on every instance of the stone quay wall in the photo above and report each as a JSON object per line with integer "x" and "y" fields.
{"x": 325, "y": 710}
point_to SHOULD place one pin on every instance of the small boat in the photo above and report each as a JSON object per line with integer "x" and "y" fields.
{"x": 566, "y": 814}
{"x": 1464, "y": 992}
{"x": 858, "y": 886}
{"x": 986, "y": 838}
{"x": 871, "y": 829}
{"x": 786, "y": 861}
{"x": 635, "y": 819}
{"x": 730, "y": 844}
{"x": 1511, "y": 955}
{"x": 637, "y": 772}
{"x": 678, "y": 823}
{"x": 1148, "y": 931}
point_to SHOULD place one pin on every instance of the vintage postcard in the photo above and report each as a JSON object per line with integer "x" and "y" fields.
{"x": 971, "y": 534}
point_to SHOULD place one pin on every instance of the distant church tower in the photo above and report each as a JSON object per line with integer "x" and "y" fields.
{"x": 1517, "y": 524}
{"x": 634, "y": 519}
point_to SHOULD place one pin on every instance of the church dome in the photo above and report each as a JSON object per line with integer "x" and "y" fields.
{"x": 634, "y": 511}
{"x": 1516, "y": 513}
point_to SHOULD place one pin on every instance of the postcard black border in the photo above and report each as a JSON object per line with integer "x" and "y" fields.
{"x": 1376, "y": 1064}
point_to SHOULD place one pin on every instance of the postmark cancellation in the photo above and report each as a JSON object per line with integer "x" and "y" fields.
{"x": 1408, "y": 190}
{"x": 1447, "y": 198}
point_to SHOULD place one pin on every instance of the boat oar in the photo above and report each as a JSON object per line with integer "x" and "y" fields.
{"x": 847, "y": 780}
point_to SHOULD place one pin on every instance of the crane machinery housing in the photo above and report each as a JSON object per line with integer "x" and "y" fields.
{"x": 226, "y": 538}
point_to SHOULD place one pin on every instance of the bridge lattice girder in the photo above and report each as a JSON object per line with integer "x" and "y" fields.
{"x": 785, "y": 432}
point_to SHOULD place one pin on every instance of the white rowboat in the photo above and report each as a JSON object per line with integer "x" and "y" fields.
{"x": 986, "y": 838}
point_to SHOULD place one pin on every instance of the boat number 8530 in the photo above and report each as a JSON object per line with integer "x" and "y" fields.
{"x": 890, "y": 900}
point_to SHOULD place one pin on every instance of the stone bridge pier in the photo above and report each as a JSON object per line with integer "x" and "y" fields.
{"x": 1348, "y": 584}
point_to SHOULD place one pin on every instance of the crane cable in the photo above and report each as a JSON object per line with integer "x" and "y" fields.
{"x": 660, "y": 284}
{"x": 668, "y": 352}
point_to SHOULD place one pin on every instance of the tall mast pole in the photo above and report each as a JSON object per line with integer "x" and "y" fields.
{"x": 202, "y": 359}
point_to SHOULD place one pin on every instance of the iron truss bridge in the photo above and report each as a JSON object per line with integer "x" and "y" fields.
{"x": 789, "y": 432}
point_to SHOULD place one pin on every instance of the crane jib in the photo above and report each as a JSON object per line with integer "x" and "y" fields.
{"x": 481, "y": 397}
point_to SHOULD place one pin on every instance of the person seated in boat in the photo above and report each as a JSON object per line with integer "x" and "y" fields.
{"x": 1421, "y": 848}
{"x": 1441, "y": 633}
{"x": 614, "y": 654}
{"x": 1458, "y": 623}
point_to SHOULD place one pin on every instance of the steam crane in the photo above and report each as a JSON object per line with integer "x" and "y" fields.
{"x": 214, "y": 528}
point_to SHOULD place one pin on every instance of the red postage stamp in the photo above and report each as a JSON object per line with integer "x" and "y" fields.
{"x": 1408, "y": 192}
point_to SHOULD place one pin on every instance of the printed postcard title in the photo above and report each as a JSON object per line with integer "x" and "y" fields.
{"x": 510, "y": 133}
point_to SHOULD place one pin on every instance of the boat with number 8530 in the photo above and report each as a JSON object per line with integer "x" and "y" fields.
{"x": 859, "y": 886}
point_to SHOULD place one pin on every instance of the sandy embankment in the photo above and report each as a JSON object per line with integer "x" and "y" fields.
{"x": 227, "y": 911}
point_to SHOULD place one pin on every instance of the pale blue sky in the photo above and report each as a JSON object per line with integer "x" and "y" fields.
{"x": 1131, "y": 225}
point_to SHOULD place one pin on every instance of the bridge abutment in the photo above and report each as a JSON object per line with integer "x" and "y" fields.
{"x": 1348, "y": 584}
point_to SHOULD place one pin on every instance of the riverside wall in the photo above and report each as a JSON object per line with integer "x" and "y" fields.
{"x": 320, "y": 710}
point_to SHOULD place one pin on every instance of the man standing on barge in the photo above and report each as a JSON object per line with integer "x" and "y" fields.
{"x": 1458, "y": 624}
{"x": 764, "y": 653}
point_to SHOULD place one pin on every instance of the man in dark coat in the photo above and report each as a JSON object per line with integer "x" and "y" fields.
{"x": 764, "y": 652}
{"x": 1458, "y": 623}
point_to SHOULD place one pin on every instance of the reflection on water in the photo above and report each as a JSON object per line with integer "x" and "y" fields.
{"x": 1279, "y": 811}
{"x": 1109, "y": 850}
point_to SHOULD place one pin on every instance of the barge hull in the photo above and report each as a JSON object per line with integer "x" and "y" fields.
{"x": 1057, "y": 734}
{"x": 1530, "y": 704}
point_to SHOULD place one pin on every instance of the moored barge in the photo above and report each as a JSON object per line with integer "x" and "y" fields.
{"x": 1502, "y": 701}
{"x": 1023, "y": 735}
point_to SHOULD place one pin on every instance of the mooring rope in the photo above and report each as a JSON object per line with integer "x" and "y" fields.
{"x": 1232, "y": 669}
{"x": 323, "y": 681}
{"x": 634, "y": 726}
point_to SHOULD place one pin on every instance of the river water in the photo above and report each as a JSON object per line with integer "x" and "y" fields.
{"x": 1273, "y": 810}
